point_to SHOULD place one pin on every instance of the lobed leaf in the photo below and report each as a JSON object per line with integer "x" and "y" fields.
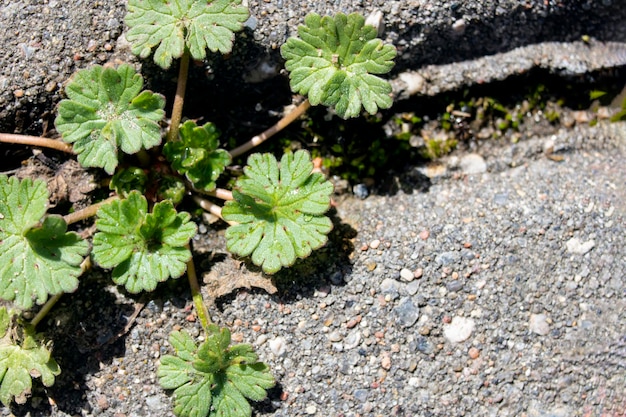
{"x": 37, "y": 258}
{"x": 172, "y": 26}
{"x": 106, "y": 112}
{"x": 20, "y": 363}
{"x": 278, "y": 210}
{"x": 214, "y": 380}
{"x": 142, "y": 248}
{"x": 333, "y": 61}
{"x": 196, "y": 155}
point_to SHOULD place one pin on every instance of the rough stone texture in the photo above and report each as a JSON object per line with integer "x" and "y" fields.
{"x": 44, "y": 41}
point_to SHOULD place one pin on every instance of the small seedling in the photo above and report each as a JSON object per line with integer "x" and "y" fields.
{"x": 276, "y": 211}
{"x": 213, "y": 379}
{"x": 196, "y": 155}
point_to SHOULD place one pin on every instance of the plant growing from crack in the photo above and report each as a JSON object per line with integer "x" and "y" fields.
{"x": 276, "y": 210}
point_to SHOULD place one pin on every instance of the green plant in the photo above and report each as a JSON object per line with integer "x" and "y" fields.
{"x": 276, "y": 211}
{"x": 213, "y": 379}
{"x": 333, "y": 63}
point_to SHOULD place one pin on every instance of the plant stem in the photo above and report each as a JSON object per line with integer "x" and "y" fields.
{"x": 210, "y": 207}
{"x": 196, "y": 294}
{"x": 87, "y": 211}
{"x": 45, "y": 309}
{"x": 221, "y": 193}
{"x": 280, "y": 125}
{"x": 177, "y": 108}
{"x": 36, "y": 141}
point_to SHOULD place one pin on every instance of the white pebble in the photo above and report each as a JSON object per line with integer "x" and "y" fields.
{"x": 459, "y": 330}
{"x": 473, "y": 163}
{"x": 261, "y": 340}
{"x": 576, "y": 246}
{"x": 407, "y": 275}
{"x": 538, "y": 324}
{"x": 278, "y": 346}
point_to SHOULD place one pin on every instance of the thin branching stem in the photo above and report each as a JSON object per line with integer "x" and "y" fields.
{"x": 87, "y": 212}
{"x": 280, "y": 125}
{"x": 196, "y": 294}
{"x": 36, "y": 141}
{"x": 177, "y": 108}
{"x": 220, "y": 193}
{"x": 210, "y": 207}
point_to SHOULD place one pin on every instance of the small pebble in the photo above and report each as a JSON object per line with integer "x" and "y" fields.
{"x": 374, "y": 244}
{"x": 406, "y": 312}
{"x": 474, "y": 353}
{"x": 311, "y": 409}
{"x": 278, "y": 346}
{"x": 407, "y": 275}
{"x": 352, "y": 340}
{"x": 353, "y": 322}
{"x": 335, "y": 336}
{"x": 577, "y": 247}
{"x": 459, "y": 330}
{"x": 360, "y": 191}
{"x": 385, "y": 362}
{"x": 538, "y": 324}
{"x": 473, "y": 163}
{"x": 424, "y": 234}
{"x": 454, "y": 286}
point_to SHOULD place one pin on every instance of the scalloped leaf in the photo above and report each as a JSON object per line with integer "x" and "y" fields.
{"x": 213, "y": 379}
{"x": 196, "y": 155}
{"x": 142, "y": 248}
{"x": 36, "y": 259}
{"x": 20, "y": 363}
{"x": 172, "y": 26}
{"x": 279, "y": 210}
{"x": 106, "y": 111}
{"x": 333, "y": 61}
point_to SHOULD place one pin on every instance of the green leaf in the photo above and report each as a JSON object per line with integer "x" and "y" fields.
{"x": 333, "y": 61}
{"x": 172, "y": 26}
{"x": 171, "y": 188}
{"x": 143, "y": 248}
{"x": 228, "y": 401}
{"x": 279, "y": 210}
{"x": 106, "y": 111}
{"x": 595, "y": 94}
{"x": 36, "y": 259}
{"x": 128, "y": 179}
{"x": 19, "y": 364}
{"x": 251, "y": 379}
{"x": 207, "y": 381}
{"x": 196, "y": 155}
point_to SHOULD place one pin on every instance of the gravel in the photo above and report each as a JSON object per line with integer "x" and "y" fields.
{"x": 511, "y": 309}
{"x": 499, "y": 290}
